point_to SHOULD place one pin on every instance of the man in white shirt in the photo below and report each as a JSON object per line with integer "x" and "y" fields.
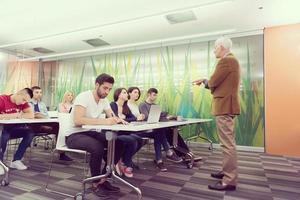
{"x": 88, "y": 109}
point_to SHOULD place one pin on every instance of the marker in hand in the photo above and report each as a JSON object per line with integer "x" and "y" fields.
{"x": 119, "y": 120}
{"x": 198, "y": 82}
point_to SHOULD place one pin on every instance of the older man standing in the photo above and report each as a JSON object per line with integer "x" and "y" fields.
{"x": 224, "y": 86}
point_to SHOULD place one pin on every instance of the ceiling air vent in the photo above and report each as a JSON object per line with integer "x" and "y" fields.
{"x": 96, "y": 42}
{"x": 42, "y": 50}
{"x": 181, "y": 17}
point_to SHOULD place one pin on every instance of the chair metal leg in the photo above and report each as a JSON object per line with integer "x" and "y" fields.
{"x": 47, "y": 183}
{"x": 202, "y": 137}
{"x": 5, "y": 180}
{"x": 138, "y": 191}
{"x": 50, "y": 168}
{"x": 85, "y": 169}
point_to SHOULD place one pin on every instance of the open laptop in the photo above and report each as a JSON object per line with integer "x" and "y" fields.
{"x": 153, "y": 117}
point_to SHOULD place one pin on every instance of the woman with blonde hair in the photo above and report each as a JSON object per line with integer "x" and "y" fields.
{"x": 67, "y": 102}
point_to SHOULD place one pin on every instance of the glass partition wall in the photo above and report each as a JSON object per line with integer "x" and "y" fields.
{"x": 170, "y": 69}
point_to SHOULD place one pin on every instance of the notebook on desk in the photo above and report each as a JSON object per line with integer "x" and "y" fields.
{"x": 153, "y": 117}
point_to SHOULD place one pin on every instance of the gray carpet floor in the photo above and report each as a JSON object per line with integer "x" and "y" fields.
{"x": 261, "y": 177}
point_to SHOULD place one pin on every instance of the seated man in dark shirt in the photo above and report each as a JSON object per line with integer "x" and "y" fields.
{"x": 182, "y": 149}
{"x": 41, "y": 112}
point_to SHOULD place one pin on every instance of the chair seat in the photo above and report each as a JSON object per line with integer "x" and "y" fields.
{"x": 43, "y": 134}
{"x": 65, "y": 148}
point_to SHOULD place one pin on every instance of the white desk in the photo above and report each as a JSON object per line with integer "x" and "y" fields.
{"x": 5, "y": 180}
{"x": 111, "y": 134}
{"x": 144, "y": 127}
{"x": 27, "y": 121}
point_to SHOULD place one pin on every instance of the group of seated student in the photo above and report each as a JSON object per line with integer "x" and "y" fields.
{"x": 134, "y": 142}
{"x": 27, "y": 104}
{"x": 88, "y": 109}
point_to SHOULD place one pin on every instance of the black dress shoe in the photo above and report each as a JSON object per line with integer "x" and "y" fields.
{"x": 188, "y": 159}
{"x": 64, "y": 157}
{"x": 100, "y": 191}
{"x": 218, "y": 175}
{"x": 110, "y": 188}
{"x": 219, "y": 186}
{"x": 135, "y": 166}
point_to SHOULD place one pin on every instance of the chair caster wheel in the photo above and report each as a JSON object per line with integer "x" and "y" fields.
{"x": 189, "y": 165}
{"x": 78, "y": 196}
{"x": 4, "y": 182}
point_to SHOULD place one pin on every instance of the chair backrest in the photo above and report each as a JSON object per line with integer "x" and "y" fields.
{"x": 65, "y": 123}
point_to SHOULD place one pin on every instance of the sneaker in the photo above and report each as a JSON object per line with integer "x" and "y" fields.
{"x": 161, "y": 166}
{"x": 110, "y": 188}
{"x": 119, "y": 168}
{"x": 188, "y": 158}
{"x": 174, "y": 158}
{"x": 64, "y": 157}
{"x": 17, "y": 164}
{"x": 127, "y": 171}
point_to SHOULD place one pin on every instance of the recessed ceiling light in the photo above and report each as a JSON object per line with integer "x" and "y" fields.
{"x": 96, "y": 42}
{"x": 42, "y": 50}
{"x": 181, "y": 17}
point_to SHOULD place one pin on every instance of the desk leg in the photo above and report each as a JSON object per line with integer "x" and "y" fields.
{"x": 5, "y": 180}
{"x": 110, "y": 168}
{"x": 203, "y": 138}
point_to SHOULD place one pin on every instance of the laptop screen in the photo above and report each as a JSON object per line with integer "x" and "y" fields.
{"x": 154, "y": 114}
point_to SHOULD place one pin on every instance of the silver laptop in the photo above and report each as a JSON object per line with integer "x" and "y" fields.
{"x": 153, "y": 117}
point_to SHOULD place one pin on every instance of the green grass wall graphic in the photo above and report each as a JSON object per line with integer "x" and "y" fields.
{"x": 171, "y": 70}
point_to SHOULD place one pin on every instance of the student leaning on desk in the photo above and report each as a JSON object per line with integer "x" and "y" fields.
{"x": 88, "y": 109}
{"x": 16, "y": 106}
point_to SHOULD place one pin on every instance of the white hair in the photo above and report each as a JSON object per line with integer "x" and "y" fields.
{"x": 225, "y": 42}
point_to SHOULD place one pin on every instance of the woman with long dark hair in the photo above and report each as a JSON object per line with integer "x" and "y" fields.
{"x": 131, "y": 141}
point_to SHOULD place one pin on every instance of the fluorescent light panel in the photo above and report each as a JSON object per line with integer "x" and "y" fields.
{"x": 133, "y": 45}
{"x": 96, "y": 42}
{"x": 181, "y": 17}
{"x": 42, "y": 50}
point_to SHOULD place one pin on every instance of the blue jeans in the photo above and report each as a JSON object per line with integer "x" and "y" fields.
{"x": 160, "y": 140}
{"x": 20, "y": 131}
{"x": 130, "y": 148}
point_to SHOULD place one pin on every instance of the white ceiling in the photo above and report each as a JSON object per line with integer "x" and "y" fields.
{"x": 61, "y": 25}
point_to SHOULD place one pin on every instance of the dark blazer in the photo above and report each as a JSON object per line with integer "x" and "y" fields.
{"x": 129, "y": 117}
{"x": 224, "y": 85}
